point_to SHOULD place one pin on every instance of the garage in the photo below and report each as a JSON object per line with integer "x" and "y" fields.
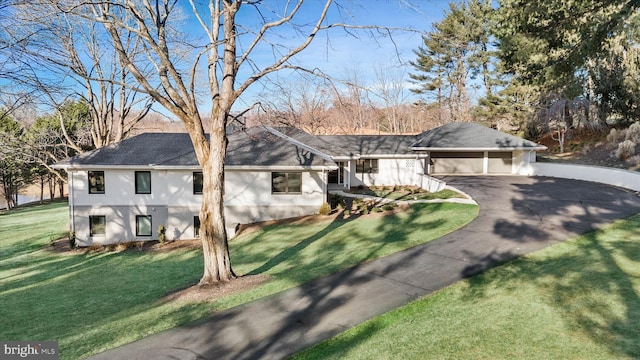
{"x": 473, "y": 149}
{"x": 456, "y": 163}
{"x": 450, "y": 162}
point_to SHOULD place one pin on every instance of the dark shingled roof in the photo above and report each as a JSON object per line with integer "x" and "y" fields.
{"x": 262, "y": 146}
{"x": 254, "y": 147}
{"x": 313, "y": 141}
{"x": 366, "y": 145}
{"x": 470, "y": 136}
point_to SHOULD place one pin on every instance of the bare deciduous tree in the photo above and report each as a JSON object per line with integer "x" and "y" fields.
{"x": 63, "y": 56}
{"x": 225, "y": 53}
{"x": 302, "y": 103}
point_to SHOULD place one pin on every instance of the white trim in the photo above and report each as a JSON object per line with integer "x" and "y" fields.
{"x": 194, "y": 168}
{"x": 485, "y": 162}
{"x": 459, "y": 149}
{"x": 393, "y": 156}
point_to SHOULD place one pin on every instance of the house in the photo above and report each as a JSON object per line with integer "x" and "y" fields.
{"x": 125, "y": 191}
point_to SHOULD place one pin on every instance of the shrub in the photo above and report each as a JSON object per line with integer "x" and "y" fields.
{"x": 633, "y": 132}
{"x": 387, "y": 207}
{"x": 376, "y": 210}
{"x": 337, "y": 201}
{"x": 72, "y": 239}
{"x": 364, "y": 208}
{"x": 626, "y": 149}
{"x": 615, "y": 136}
{"x": 162, "y": 234}
{"x": 325, "y": 209}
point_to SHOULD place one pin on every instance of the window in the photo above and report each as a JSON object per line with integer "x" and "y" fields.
{"x": 367, "y": 166}
{"x": 196, "y": 226}
{"x": 143, "y": 182}
{"x": 197, "y": 182}
{"x": 96, "y": 182}
{"x": 288, "y": 183}
{"x": 97, "y": 225}
{"x": 143, "y": 225}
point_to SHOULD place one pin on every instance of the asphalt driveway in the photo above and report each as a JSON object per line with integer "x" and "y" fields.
{"x": 517, "y": 215}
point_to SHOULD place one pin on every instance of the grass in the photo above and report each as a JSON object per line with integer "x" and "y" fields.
{"x": 91, "y": 302}
{"x": 576, "y": 300}
{"x": 406, "y": 193}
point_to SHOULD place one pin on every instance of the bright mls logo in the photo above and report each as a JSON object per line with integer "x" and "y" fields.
{"x": 32, "y": 350}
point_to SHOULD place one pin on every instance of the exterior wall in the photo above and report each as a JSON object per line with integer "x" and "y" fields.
{"x": 248, "y": 198}
{"x": 120, "y": 223}
{"x": 400, "y": 171}
{"x": 610, "y": 176}
{"x": 522, "y": 159}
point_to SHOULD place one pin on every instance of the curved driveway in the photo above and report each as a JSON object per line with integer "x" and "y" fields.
{"x": 517, "y": 215}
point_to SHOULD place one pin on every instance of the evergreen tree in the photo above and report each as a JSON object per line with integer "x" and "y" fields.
{"x": 14, "y": 171}
{"x": 574, "y": 50}
{"x": 453, "y": 52}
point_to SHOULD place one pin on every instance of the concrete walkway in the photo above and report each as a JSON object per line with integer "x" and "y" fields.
{"x": 517, "y": 215}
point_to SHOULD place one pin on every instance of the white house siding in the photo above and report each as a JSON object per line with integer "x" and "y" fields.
{"x": 397, "y": 171}
{"x": 248, "y": 198}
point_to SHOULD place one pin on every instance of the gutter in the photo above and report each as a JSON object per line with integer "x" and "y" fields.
{"x": 195, "y": 167}
{"x": 460, "y": 149}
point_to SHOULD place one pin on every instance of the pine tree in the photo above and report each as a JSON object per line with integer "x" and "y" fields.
{"x": 455, "y": 51}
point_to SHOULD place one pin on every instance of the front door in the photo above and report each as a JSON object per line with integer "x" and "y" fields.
{"x": 337, "y": 176}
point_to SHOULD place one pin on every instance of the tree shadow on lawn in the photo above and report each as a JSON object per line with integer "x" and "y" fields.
{"x": 293, "y": 251}
{"x": 392, "y": 229}
{"x": 584, "y": 282}
{"x": 66, "y": 297}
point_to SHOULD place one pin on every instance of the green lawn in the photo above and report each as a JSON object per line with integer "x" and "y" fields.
{"x": 576, "y": 300}
{"x": 95, "y": 301}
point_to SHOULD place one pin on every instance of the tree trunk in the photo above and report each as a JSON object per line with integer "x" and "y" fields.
{"x": 52, "y": 187}
{"x": 217, "y": 262}
{"x": 42, "y": 188}
{"x": 61, "y": 188}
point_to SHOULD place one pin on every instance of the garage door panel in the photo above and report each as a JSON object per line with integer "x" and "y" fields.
{"x": 456, "y": 162}
{"x": 500, "y": 162}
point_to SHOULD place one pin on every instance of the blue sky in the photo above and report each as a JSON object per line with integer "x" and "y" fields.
{"x": 340, "y": 54}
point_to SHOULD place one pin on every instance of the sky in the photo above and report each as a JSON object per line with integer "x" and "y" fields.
{"x": 341, "y": 54}
{"x": 338, "y": 53}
